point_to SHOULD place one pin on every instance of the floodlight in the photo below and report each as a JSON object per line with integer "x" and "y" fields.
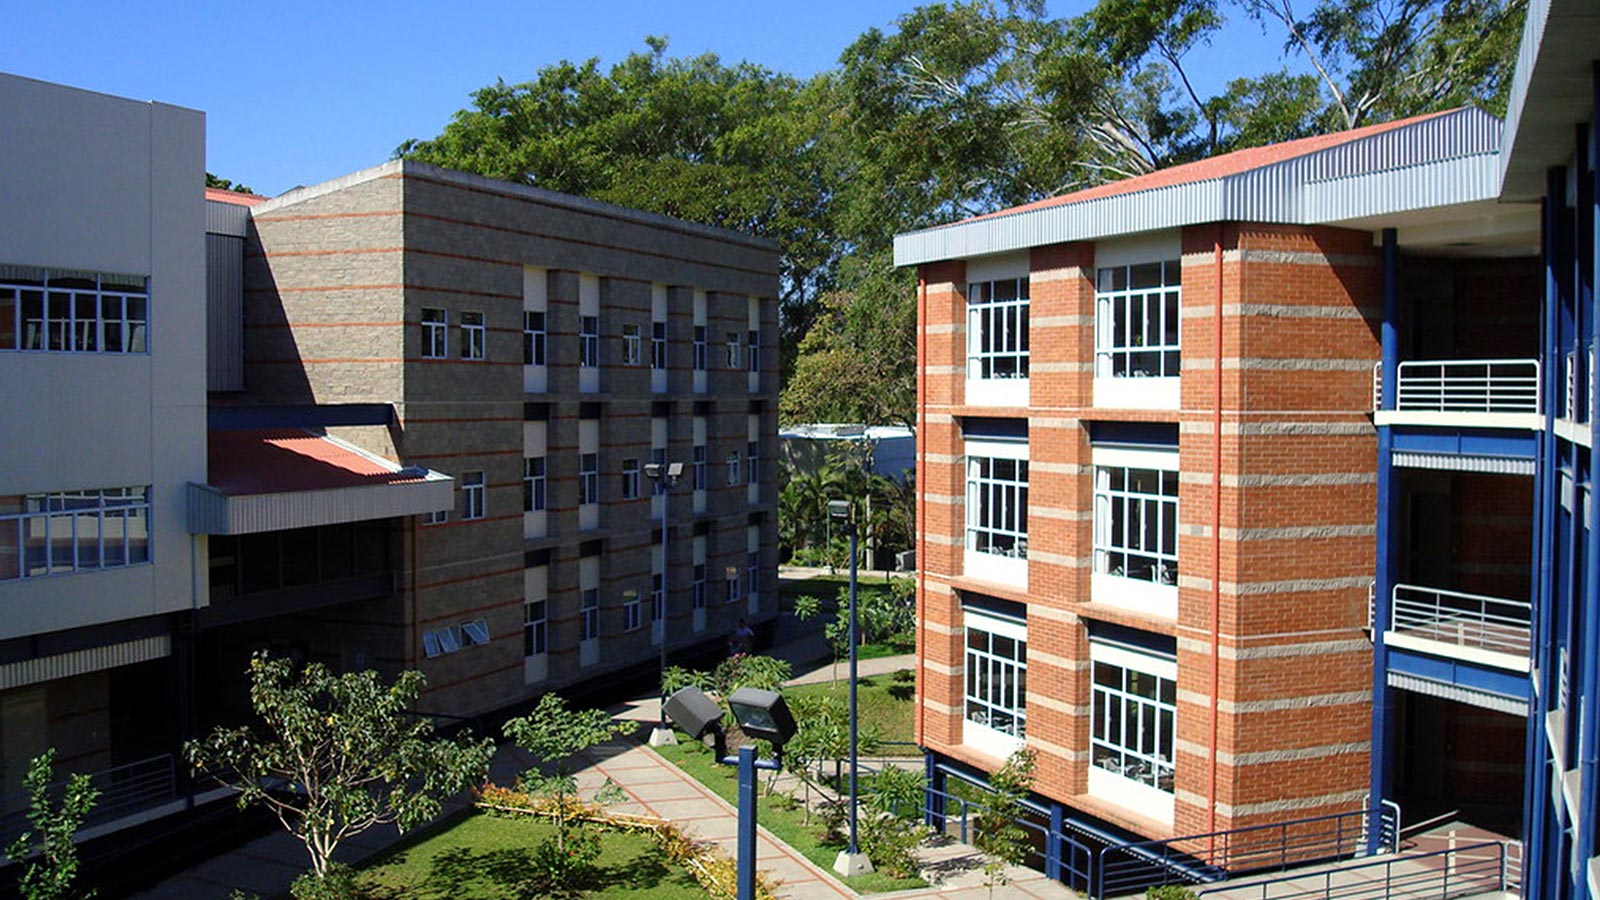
{"x": 690, "y": 709}
{"x": 675, "y": 470}
{"x": 763, "y": 715}
{"x": 838, "y": 509}
{"x": 652, "y": 470}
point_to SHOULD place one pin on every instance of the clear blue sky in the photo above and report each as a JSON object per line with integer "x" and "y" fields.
{"x": 300, "y": 92}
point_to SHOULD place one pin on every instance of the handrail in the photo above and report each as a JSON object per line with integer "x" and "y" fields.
{"x": 1204, "y": 858}
{"x": 1467, "y": 620}
{"x": 1468, "y": 386}
{"x": 1462, "y": 872}
{"x": 123, "y": 790}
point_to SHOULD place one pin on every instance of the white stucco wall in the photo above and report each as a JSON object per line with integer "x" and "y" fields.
{"x": 112, "y": 185}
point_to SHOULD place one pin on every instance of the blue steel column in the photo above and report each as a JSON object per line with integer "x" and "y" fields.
{"x": 933, "y": 795}
{"x": 1052, "y": 842}
{"x": 1586, "y": 591}
{"x": 746, "y": 844}
{"x": 1387, "y": 543}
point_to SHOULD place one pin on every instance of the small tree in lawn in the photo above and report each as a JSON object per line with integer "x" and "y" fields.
{"x": 996, "y": 833}
{"x": 552, "y": 733}
{"x": 51, "y": 875}
{"x": 335, "y": 755}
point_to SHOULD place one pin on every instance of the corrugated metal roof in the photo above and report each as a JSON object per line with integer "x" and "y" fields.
{"x": 1408, "y": 164}
{"x": 1552, "y": 91}
{"x": 228, "y": 219}
{"x": 80, "y": 662}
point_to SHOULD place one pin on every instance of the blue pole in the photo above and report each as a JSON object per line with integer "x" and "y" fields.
{"x": 1387, "y": 546}
{"x": 933, "y": 793}
{"x": 747, "y": 823}
{"x": 855, "y": 635}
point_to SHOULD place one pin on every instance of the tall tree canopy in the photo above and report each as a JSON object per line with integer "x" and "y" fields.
{"x": 959, "y": 109}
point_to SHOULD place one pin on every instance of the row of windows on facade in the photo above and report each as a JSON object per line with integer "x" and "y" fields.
{"x": 536, "y": 613}
{"x": 71, "y": 311}
{"x": 535, "y": 340}
{"x": 73, "y": 531}
{"x": 1137, "y": 311}
{"x": 1135, "y": 516}
{"x": 535, "y": 487}
{"x": 1133, "y": 708}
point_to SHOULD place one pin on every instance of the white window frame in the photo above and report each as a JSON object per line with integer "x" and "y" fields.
{"x": 731, "y": 592}
{"x": 589, "y": 614}
{"x": 752, "y": 470}
{"x": 997, "y": 330}
{"x": 630, "y": 478}
{"x": 994, "y": 706}
{"x": 699, "y": 348}
{"x": 474, "y": 334}
{"x": 535, "y": 628}
{"x": 699, "y": 467}
{"x": 1137, "y": 774}
{"x": 733, "y": 359}
{"x": 473, "y": 505}
{"x": 474, "y": 633}
{"x": 996, "y": 533}
{"x": 658, "y": 345}
{"x": 753, "y": 352}
{"x": 732, "y": 463}
{"x": 63, "y": 532}
{"x": 631, "y": 619}
{"x": 534, "y": 337}
{"x": 658, "y": 595}
{"x": 588, "y": 478}
{"x": 534, "y": 484}
{"x": 699, "y": 585}
{"x": 1137, "y": 332}
{"x": 435, "y": 333}
{"x": 1126, "y": 571}
{"x": 752, "y": 568}
{"x": 631, "y": 343}
{"x": 437, "y": 517}
{"x": 56, "y": 312}
{"x": 589, "y": 342}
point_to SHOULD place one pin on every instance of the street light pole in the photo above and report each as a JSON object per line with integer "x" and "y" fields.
{"x": 665, "y": 476}
{"x": 851, "y": 861}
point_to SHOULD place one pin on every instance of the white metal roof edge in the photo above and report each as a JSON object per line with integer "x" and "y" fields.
{"x": 1414, "y": 161}
{"x": 1533, "y": 25}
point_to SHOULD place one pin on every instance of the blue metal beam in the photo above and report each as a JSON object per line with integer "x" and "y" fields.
{"x": 1586, "y": 253}
{"x": 1466, "y": 441}
{"x": 1459, "y": 673}
{"x": 1384, "y": 722}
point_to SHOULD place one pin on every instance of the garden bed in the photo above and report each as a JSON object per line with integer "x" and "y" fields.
{"x": 886, "y": 701}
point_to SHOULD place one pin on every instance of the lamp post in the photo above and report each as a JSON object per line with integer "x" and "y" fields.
{"x": 665, "y": 476}
{"x": 851, "y": 861}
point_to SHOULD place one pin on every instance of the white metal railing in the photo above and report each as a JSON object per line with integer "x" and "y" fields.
{"x": 1377, "y": 385}
{"x": 1469, "y": 386}
{"x": 1570, "y": 395}
{"x": 1466, "y": 620}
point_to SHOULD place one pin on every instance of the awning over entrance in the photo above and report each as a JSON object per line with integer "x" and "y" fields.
{"x": 283, "y": 478}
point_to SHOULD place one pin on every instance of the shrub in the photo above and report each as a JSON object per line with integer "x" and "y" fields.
{"x": 337, "y": 882}
{"x": 1169, "y": 892}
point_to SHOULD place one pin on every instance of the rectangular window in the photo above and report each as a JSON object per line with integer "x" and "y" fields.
{"x": 588, "y": 341}
{"x": 699, "y": 586}
{"x": 73, "y": 531}
{"x": 700, "y": 467}
{"x": 997, "y": 329}
{"x": 589, "y": 615}
{"x": 631, "y": 345}
{"x": 733, "y": 469}
{"x": 533, "y": 484}
{"x": 733, "y": 350}
{"x": 630, "y": 611}
{"x": 472, "y": 495}
{"x": 73, "y": 311}
{"x": 997, "y": 506}
{"x": 588, "y": 478}
{"x": 731, "y": 592}
{"x": 752, "y": 572}
{"x": 1135, "y": 703}
{"x": 1136, "y": 523}
{"x": 997, "y": 675}
{"x": 658, "y": 345}
{"x": 630, "y": 479}
{"x": 533, "y": 338}
{"x": 752, "y": 454}
{"x": 535, "y": 629}
{"x": 437, "y": 517}
{"x": 658, "y": 455}
{"x": 472, "y": 335}
{"x": 658, "y": 596}
{"x": 1136, "y": 320}
{"x": 435, "y": 334}
{"x": 475, "y": 633}
{"x": 753, "y": 357}
{"x": 699, "y": 348}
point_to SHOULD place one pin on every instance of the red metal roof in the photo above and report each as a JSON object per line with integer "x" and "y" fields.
{"x": 280, "y": 460}
{"x": 234, "y": 197}
{"x": 1213, "y": 167}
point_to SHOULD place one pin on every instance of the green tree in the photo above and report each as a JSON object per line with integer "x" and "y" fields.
{"x": 553, "y": 733}
{"x": 335, "y": 754}
{"x": 47, "y": 848}
{"x": 213, "y": 181}
{"x": 996, "y": 832}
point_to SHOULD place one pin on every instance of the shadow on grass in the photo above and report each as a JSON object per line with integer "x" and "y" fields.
{"x": 510, "y": 873}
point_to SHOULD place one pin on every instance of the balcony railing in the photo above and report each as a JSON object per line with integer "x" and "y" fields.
{"x": 1469, "y": 386}
{"x": 127, "y": 794}
{"x": 1463, "y": 620}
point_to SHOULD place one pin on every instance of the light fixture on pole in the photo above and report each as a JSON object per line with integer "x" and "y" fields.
{"x": 665, "y": 476}
{"x": 851, "y": 861}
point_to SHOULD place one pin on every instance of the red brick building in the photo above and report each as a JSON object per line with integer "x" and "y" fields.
{"x": 1147, "y": 474}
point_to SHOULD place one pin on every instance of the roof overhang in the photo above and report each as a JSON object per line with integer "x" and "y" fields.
{"x": 279, "y": 479}
{"x": 1552, "y": 92}
{"x": 1445, "y": 161}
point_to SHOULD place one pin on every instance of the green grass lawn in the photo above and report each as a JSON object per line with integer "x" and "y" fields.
{"x": 887, "y": 701}
{"x": 481, "y": 856}
{"x": 786, "y": 824}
